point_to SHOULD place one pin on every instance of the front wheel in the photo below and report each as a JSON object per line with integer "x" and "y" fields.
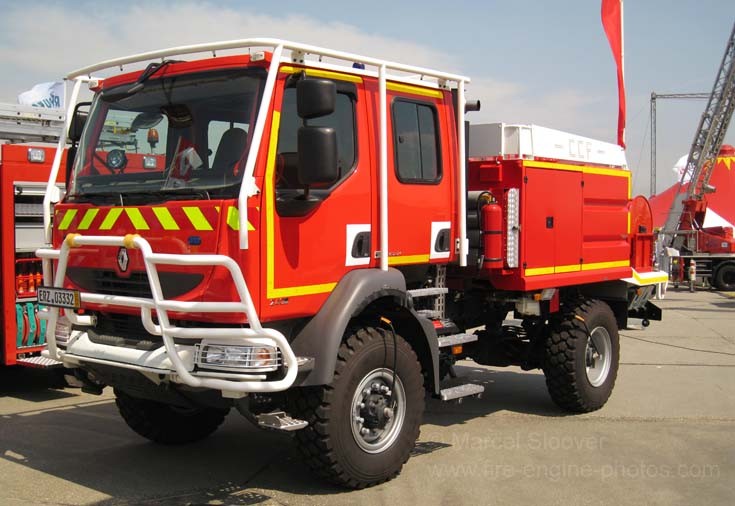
{"x": 725, "y": 278}
{"x": 582, "y": 356}
{"x": 167, "y": 424}
{"x": 363, "y": 426}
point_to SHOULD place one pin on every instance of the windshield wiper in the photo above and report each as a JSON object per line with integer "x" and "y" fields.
{"x": 200, "y": 194}
{"x": 97, "y": 197}
{"x": 152, "y": 68}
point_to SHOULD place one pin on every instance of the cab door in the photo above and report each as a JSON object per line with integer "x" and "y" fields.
{"x": 313, "y": 240}
{"x": 420, "y": 189}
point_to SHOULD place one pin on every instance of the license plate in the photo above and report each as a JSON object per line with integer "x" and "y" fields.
{"x": 58, "y": 297}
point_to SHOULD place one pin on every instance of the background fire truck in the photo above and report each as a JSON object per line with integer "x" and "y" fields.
{"x": 316, "y": 241}
{"x": 24, "y": 171}
{"x": 689, "y": 249}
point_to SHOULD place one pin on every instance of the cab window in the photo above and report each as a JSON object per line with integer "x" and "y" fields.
{"x": 416, "y": 141}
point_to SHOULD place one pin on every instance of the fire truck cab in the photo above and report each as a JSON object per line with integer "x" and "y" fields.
{"x": 307, "y": 240}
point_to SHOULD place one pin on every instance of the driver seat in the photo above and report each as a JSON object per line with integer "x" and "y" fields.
{"x": 230, "y": 149}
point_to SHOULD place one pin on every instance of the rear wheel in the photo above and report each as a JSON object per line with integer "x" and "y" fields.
{"x": 363, "y": 426}
{"x": 167, "y": 424}
{"x": 725, "y": 278}
{"x": 582, "y": 356}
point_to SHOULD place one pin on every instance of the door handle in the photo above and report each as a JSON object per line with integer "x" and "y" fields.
{"x": 361, "y": 245}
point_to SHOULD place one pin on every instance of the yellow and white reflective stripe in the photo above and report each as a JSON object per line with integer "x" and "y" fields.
{"x": 67, "y": 219}
{"x": 197, "y": 219}
{"x": 136, "y": 218}
{"x": 87, "y": 219}
{"x": 111, "y": 218}
{"x": 165, "y": 219}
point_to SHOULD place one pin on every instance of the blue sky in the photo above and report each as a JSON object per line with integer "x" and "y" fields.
{"x": 531, "y": 61}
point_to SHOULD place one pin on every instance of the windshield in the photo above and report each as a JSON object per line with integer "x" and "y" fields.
{"x": 182, "y": 135}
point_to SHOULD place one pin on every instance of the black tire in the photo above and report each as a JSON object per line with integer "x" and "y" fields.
{"x": 329, "y": 443}
{"x": 166, "y": 424}
{"x": 725, "y": 277}
{"x": 571, "y": 384}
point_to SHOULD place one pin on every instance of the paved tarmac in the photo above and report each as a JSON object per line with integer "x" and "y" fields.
{"x": 667, "y": 436}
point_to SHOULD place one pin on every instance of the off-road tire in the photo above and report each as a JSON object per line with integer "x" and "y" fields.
{"x": 328, "y": 443}
{"x": 725, "y": 277}
{"x": 565, "y": 357}
{"x": 166, "y": 424}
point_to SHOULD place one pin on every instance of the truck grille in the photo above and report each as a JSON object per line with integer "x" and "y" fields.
{"x": 122, "y": 330}
{"x": 174, "y": 284}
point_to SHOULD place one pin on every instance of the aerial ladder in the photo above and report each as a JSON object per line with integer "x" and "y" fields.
{"x": 683, "y": 230}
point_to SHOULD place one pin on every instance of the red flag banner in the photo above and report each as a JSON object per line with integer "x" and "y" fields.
{"x": 612, "y": 22}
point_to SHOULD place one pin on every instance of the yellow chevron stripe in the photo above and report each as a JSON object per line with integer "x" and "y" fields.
{"x": 197, "y": 219}
{"x": 111, "y": 218}
{"x": 88, "y": 218}
{"x": 136, "y": 218}
{"x": 233, "y": 218}
{"x": 68, "y": 218}
{"x": 165, "y": 219}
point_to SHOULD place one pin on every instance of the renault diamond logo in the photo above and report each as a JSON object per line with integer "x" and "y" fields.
{"x": 122, "y": 259}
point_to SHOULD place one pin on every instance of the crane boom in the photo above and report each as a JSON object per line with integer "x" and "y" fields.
{"x": 706, "y": 145}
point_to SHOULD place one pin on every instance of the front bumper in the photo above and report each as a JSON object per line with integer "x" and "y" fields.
{"x": 173, "y": 361}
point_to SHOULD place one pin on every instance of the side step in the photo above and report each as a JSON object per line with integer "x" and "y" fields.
{"x": 455, "y": 339}
{"x": 461, "y": 391}
{"x": 427, "y": 292}
{"x": 279, "y": 420}
{"x": 39, "y": 362}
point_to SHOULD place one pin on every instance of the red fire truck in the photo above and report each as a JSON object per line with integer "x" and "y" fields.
{"x": 310, "y": 236}
{"x": 26, "y": 153}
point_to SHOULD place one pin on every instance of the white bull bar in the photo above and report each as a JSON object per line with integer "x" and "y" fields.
{"x": 179, "y": 372}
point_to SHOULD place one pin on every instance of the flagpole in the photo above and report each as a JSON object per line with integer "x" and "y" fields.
{"x": 622, "y": 51}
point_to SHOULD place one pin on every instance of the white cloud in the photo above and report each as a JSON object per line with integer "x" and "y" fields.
{"x": 89, "y": 36}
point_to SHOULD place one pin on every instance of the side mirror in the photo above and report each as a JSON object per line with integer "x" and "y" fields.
{"x": 317, "y": 155}
{"x": 315, "y": 98}
{"x": 78, "y": 120}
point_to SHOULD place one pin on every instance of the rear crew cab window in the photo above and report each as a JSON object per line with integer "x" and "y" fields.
{"x": 416, "y": 141}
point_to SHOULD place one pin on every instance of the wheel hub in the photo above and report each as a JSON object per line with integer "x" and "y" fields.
{"x": 378, "y": 410}
{"x": 374, "y": 412}
{"x": 598, "y": 356}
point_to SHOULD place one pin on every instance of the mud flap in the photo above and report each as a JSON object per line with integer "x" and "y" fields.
{"x": 648, "y": 312}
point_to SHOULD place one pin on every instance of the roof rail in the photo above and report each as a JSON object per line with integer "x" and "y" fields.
{"x": 298, "y": 51}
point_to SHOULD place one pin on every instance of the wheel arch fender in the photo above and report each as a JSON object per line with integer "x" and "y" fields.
{"x": 358, "y": 293}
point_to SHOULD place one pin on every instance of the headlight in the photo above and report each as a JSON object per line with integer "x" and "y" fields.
{"x": 227, "y": 357}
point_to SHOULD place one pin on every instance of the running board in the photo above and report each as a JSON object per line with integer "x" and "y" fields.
{"x": 427, "y": 292}
{"x": 39, "y": 362}
{"x": 279, "y": 420}
{"x": 455, "y": 339}
{"x": 461, "y": 391}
